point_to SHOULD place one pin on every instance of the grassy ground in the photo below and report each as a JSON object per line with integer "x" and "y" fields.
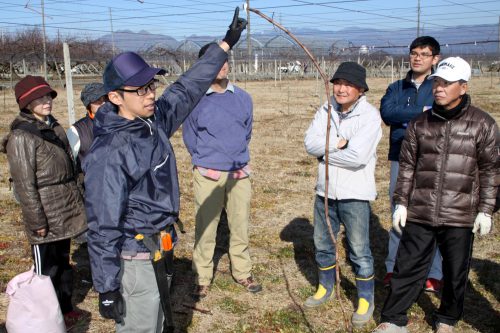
{"x": 281, "y": 231}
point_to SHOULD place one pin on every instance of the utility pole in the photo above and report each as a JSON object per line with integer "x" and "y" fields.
{"x": 249, "y": 40}
{"x": 418, "y": 18}
{"x": 43, "y": 43}
{"x": 112, "y": 33}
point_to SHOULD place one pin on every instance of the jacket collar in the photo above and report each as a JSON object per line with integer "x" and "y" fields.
{"x": 229, "y": 87}
{"x": 409, "y": 77}
{"x": 466, "y": 100}
{"x": 354, "y": 109}
{"x": 29, "y": 117}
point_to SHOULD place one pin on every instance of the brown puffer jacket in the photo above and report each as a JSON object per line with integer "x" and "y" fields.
{"x": 447, "y": 168}
{"x": 44, "y": 181}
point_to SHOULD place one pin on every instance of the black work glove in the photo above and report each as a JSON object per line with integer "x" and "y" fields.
{"x": 111, "y": 305}
{"x": 235, "y": 29}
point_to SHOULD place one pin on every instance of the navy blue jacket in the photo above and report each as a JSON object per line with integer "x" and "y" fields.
{"x": 131, "y": 175}
{"x": 400, "y": 104}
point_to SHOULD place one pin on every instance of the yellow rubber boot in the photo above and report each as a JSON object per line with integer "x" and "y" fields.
{"x": 325, "y": 287}
{"x": 366, "y": 302}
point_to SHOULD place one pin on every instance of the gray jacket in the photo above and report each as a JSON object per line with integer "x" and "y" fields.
{"x": 351, "y": 170}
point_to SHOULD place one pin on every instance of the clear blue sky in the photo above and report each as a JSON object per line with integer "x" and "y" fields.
{"x": 182, "y": 18}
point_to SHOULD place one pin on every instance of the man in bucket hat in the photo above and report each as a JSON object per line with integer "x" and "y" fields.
{"x": 131, "y": 184}
{"x": 445, "y": 193}
{"x": 355, "y": 134}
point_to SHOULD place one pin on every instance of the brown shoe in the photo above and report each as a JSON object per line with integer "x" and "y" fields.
{"x": 200, "y": 291}
{"x": 250, "y": 285}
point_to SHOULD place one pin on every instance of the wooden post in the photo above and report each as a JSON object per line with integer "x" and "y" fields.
{"x": 58, "y": 74}
{"x": 275, "y": 72}
{"x": 69, "y": 84}
{"x": 279, "y": 70}
{"x": 11, "y": 71}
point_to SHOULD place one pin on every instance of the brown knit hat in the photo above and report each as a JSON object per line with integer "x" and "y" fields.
{"x": 31, "y": 88}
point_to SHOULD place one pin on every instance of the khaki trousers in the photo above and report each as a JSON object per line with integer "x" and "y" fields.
{"x": 211, "y": 196}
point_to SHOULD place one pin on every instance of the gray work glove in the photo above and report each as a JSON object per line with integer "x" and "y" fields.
{"x": 235, "y": 29}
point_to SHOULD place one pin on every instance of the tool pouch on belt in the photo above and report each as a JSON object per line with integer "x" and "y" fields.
{"x": 162, "y": 259}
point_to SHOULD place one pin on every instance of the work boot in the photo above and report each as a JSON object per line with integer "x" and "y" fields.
{"x": 250, "y": 284}
{"x": 444, "y": 328}
{"x": 326, "y": 285}
{"x": 390, "y": 328}
{"x": 366, "y": 297}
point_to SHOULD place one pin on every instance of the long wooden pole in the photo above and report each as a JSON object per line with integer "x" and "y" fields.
{"x": 327, "y": 145}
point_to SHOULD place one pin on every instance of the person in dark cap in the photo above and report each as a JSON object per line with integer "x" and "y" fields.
{"x": 131, "y": 185}
{"x": 217, "y": 134}
{"x": 355, "y": 134}
{"x": 81, "y": 135}
{"x": 44, "y": 179}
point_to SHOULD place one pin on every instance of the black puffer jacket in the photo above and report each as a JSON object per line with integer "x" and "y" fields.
{"x": 447, "y": 167}
{"x": 44, "y": 180}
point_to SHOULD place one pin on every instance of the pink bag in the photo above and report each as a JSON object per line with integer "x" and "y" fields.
{"x": 33, "y": 305}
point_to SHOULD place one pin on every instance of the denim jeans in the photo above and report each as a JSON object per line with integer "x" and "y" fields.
{"x": 355, "y": 216}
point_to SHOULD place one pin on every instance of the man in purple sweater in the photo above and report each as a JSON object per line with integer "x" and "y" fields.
{"x": 217, "y": 134}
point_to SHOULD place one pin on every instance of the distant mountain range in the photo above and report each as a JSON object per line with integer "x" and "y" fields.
{"x": 465, "y": 39}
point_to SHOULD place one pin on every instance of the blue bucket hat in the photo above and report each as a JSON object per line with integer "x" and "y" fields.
{"x": 128, "y": 69}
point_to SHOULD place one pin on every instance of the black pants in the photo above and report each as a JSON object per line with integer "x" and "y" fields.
{"x": 413, "y": 261}
{"x": 52, "y": 259}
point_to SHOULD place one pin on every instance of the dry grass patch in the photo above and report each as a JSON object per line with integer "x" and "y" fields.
{"x": 281, "y": 230}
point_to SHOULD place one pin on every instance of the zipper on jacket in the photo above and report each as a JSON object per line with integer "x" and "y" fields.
{"x": 441, "y": 171}
{"x": 148, "y": 122}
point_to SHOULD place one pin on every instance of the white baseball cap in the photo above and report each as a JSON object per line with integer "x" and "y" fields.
{"x": 453, "y": 69}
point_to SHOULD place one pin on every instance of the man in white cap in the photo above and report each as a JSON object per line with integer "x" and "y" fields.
{"x": 444, "y": 194}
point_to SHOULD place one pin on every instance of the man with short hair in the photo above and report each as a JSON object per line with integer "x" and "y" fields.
{"x": 217, "y": 134}
{"x": 132, "y": 190}
{"x": 80, "y": 135}
{"x": 404, "y": 100}
{"x": 354, "y": 136}
{"x": 444, "y": 194}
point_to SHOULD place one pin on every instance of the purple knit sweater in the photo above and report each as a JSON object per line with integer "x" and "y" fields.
{"x": 218, "y": 131}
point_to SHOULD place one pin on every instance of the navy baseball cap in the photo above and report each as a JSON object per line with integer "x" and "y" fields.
{"x": 128, "y": 69}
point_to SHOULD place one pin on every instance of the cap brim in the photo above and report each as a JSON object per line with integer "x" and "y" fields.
{"x": 340, "y": 76}
{"x": 445, "y": 76}
{"x": 37, "y": 94}
{"x": 144, "y": 76}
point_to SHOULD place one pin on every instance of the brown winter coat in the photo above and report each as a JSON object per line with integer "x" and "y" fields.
{"x": 44, "y": 181}
{"x": 447, "y": 168}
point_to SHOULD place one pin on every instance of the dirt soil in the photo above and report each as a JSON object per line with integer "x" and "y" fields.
{"x": 281, "y": 230}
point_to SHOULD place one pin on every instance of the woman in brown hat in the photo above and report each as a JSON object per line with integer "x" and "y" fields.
{"x": 43, "y": 175}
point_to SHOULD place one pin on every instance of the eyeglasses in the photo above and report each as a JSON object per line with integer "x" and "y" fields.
{"x": 414, "y": 54}
{"x": 151, "y": 86}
